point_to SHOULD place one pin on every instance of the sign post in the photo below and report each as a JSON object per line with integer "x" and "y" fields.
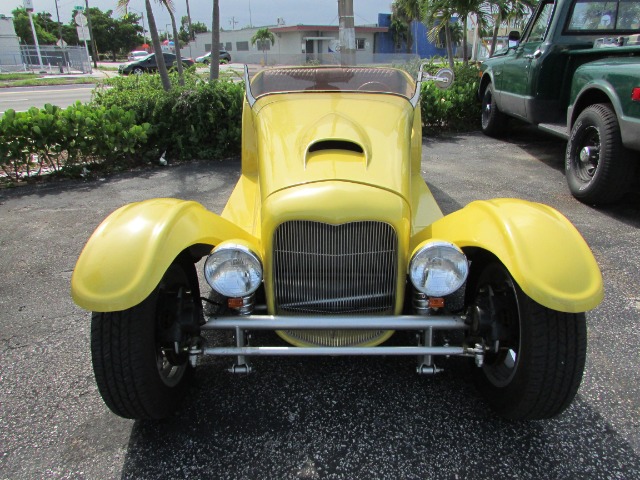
{"x": 83, "y": 34}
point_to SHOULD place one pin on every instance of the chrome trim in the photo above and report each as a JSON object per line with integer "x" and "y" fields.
{"x": 335, "y": 351}
{"x": 277, "y": 322}
{"x": 325, "y": 269}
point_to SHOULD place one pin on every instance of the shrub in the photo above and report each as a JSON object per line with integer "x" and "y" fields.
{"x": 61, "y": 140}
{"x": 454, "y": 109}
{"x": 198, "y": 120}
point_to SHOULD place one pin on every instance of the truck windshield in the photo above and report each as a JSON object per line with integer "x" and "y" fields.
{"x": 344, "y": 79}
{"x": 617, "y": 16}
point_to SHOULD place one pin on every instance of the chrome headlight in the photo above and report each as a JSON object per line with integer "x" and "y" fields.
{"x": 438, "y": 268}
{"x": 233, "y": 270}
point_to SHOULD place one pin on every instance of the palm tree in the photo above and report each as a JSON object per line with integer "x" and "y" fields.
{"x": 214, "y": 66}
{"x": 176, "y": 41}
{"x": 262, "y": 36}
{"x": 437, "y": 16}
{"x": 407, "y": 11}
{"x": 155, "y": 40}
{"x": 464, "y": 8}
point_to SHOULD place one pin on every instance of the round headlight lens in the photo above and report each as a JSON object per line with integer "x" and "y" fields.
{"x": 233, "y": 271}
{"x": 438, "y": 269}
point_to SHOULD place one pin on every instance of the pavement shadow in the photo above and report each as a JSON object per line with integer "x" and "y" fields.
{"x": 357, "y": 418}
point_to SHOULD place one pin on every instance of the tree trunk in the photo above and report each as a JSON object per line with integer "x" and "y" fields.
{"x": 447, "y": 36}
{"x": 192, "y": 35}
{"x": 494, "y": 39}
{"x": 157, "y": 48}
{"x": 176, "y": 46}
{"x": 214, "y": 66}
{"x": 465, "y": 58}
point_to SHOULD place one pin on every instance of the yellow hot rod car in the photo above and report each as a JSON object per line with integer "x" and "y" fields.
{"x": 332, "y": 239}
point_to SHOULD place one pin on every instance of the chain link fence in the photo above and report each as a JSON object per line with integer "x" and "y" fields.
{"x": 54, "y": 60}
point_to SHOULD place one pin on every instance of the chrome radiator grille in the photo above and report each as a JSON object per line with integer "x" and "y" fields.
{"x": 324, "y": 269}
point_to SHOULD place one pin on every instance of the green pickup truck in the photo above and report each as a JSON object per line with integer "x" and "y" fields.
{"x": 575, "y": 72}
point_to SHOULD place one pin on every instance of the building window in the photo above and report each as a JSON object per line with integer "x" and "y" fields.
{"x": 361, "y": 44}
{"x": 207, "y": 47}
{"x": 242, "y": 46}
{"x": 221, "y": 46}
{"x": 228, "y": 46}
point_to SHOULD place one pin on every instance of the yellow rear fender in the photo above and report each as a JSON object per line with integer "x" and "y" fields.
{"x": 542, "y": 250}
{"x": 127, "y": 255}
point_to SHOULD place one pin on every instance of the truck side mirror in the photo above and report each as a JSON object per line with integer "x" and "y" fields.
{"x": 513, "y": 39}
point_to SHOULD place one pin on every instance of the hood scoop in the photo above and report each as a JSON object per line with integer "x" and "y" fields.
{"x": 336, "y": 137}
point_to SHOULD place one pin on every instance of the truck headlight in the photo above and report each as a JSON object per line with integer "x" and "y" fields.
{"x": 438, "y": 268}
{"x": 233, "y": 270}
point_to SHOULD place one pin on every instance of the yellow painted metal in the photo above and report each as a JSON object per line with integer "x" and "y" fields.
{"x": 287, "y": 125}
{"x": 542, "y": 250}
{"x": 335, "y": 203}
{"x": 283, "y": 180}
{"x": 127, "y": 255}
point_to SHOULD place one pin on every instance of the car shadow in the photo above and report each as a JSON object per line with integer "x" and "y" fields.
{"x": 364, "y": 418}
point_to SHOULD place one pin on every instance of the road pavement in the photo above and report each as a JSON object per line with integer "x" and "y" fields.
{"x": 333, "y": 418}
{"x": 21, "y": 99}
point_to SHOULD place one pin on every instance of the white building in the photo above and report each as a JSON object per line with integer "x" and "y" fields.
{"x": 294, "y": 45}
{"x": 9, "y": 45}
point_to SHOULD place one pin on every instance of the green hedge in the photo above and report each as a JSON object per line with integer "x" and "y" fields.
{"x": 454, "y": 109}
{"x": 132, "y": 120}
{"x": 55, "y": 139}
{"x": 198, "y": 120}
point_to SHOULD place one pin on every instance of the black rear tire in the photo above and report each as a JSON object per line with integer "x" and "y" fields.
{"x": 598, "y": 168}
{"x": 538, "y": 367}
{"x": 137, "y": 377}
{"x": 493, "y": 121}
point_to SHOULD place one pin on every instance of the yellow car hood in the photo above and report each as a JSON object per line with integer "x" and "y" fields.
{"x": 306, "y": 138}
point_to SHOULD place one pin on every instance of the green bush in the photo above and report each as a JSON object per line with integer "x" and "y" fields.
{"x": 454, "y": 109}
{"x": 62, "y": 140}
{"x": 198, "y": 120}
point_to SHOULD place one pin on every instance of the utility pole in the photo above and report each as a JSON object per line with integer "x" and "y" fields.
{"x": 28, "y": 5}
{"x": 59, "y": 25}
{"x": 347, "y": 33}
{"x": 93, "y": 40}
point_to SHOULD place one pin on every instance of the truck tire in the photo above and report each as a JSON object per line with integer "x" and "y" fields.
{"x": 537, "y": 369}
{"x": 493, "y": 121}
{"x": 137, "y": 375}
{"x": 598, "y": 168}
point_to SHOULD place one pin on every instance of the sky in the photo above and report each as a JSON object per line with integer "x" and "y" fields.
{"x": 236, "y": 13}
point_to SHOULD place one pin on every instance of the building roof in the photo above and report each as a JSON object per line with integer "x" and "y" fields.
{"x": 325, "y": 28}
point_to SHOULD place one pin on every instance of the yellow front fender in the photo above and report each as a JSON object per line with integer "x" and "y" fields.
{"x": 542, "y": 250}
{"x": 127, "y": 255}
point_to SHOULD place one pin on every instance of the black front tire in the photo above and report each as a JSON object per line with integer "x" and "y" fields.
{"x": 537, "y": 369}
{"x": 137, "y": 376}
{"x": 598, "y": 168}
{"x": 493, "y": 121}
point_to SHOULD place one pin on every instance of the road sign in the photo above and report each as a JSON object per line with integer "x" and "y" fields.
{"x": 83, "y": 34}
{"x": 81, "y": 20}
{"x": 78, "y": 8}
{"x": 28, "y": 5}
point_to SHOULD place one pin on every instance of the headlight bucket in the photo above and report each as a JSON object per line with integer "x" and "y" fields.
{"x": 438, "y": 268}
{"x": 233, "y": 270}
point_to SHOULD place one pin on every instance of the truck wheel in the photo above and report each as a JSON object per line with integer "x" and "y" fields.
{"x": 493, "y": 120}
{"x": 597, "y": 166}
{"x": 537, "y": 355}
{"x": 138, "y": 373}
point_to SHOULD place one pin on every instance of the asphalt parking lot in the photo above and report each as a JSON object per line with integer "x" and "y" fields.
{"x": 333, "y": 418}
